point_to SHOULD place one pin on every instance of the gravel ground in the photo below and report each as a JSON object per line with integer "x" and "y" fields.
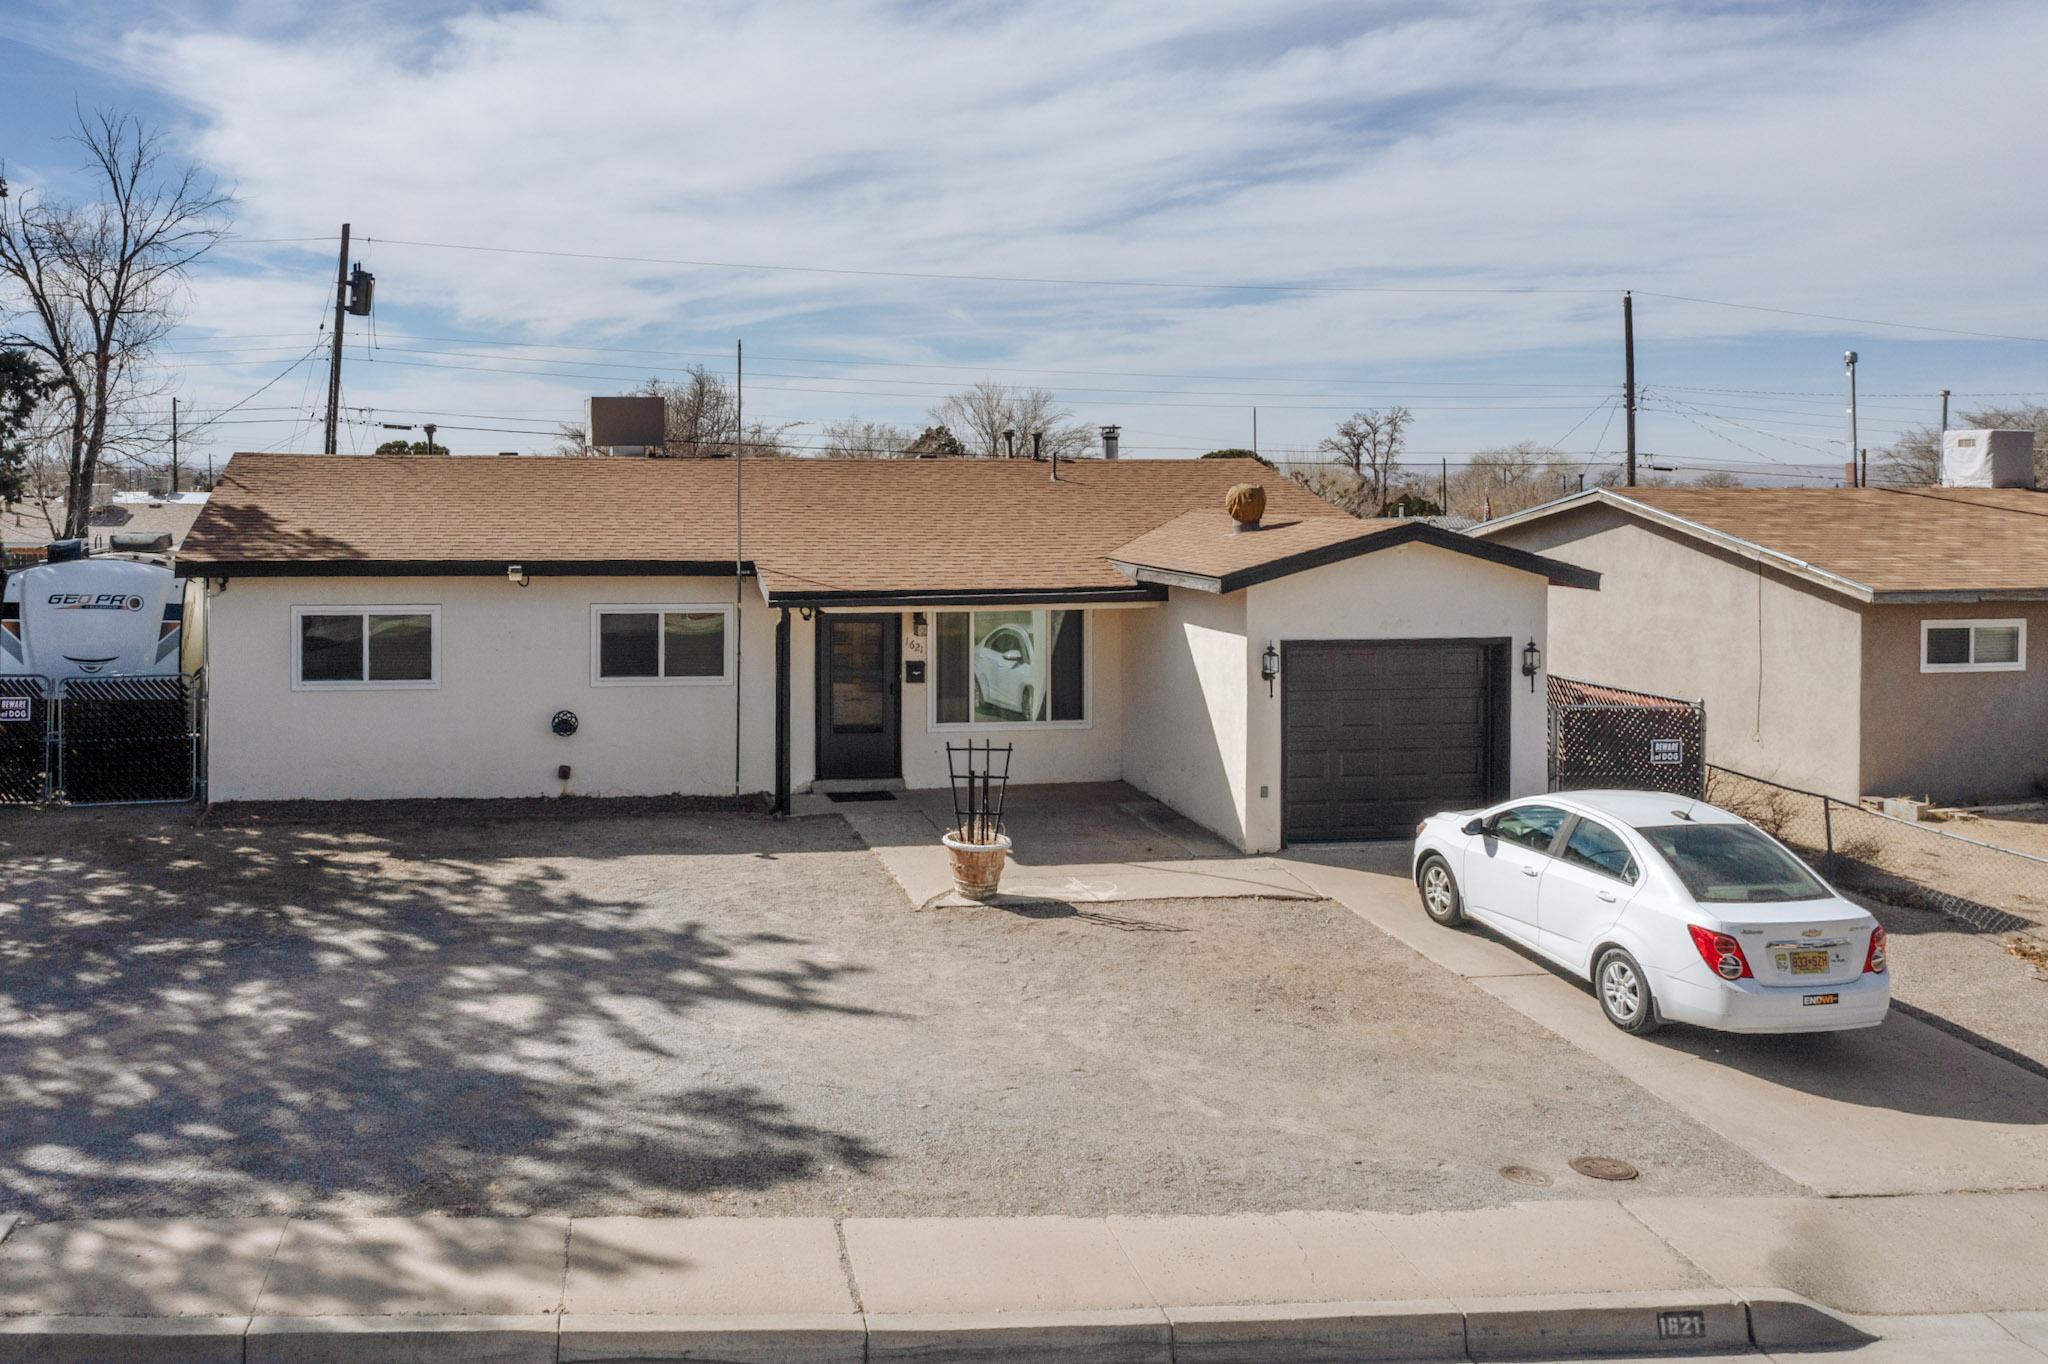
{"x": 445, "y": 1011}
{"x": 1971, "y": 983}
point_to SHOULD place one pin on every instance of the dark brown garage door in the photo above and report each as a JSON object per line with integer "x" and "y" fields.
{"x": 1379, "y": 733}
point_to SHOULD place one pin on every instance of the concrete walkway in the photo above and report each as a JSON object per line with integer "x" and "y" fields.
{"x": 1553, "y": 1278}
{"x": 1898, "y": 1109}
{"x": 1089, "y": 843}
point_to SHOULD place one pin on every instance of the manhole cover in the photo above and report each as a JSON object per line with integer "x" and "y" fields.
{"x": 1604, "y": 1167}
{"x": 1522, "y": 1174}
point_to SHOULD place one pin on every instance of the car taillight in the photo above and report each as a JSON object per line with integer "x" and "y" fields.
{"x": 1873, "y": 960}
{"x": 1721, "y": 953}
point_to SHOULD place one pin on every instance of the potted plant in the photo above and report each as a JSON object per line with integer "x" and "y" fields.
{"x": 976, "y": 845}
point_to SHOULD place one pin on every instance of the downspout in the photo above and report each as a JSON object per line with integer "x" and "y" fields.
{"x": 782, "y": 713}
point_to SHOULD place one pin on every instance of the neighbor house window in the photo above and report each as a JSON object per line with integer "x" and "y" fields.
{"x": 1973, "y": 646}
{"x": 645, "y": 645}
{"x": 365, "y": 646}
{"x": 1010, "y": 668}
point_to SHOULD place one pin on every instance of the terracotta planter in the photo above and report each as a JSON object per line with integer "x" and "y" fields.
{"x": 977, "y": 867}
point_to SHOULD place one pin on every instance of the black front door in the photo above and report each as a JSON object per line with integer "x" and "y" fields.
{"x": 858, "y": 660}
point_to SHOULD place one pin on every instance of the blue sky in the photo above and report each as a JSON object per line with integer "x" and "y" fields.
{"x": 1872, "y": 161}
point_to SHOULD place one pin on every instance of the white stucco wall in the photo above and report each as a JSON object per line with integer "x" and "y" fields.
{"x": 510, "y": 658}
{"x": 1410, "y": 592}
{"x": 1184, "y": 707}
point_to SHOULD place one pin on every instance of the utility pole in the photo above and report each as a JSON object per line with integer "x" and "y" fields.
{"x": 334, "y": 358}
{"x": 1944, "y": 409}
{"x": 1443, "y": 485}
{"x": 174, "y": 445}
{"x": 1628, "y": 382}
{"x": 1849, "y": 363}
{"x": 1255, "y": 431}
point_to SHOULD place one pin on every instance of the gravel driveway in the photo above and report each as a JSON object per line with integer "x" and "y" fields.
{"x": 691, "y": 1012}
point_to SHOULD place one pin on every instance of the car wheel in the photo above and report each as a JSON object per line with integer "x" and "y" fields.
{"x": 1624, "y": 992}
{"x": 1440, "y": 898}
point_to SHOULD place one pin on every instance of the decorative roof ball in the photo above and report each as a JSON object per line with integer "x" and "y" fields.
{"x": 1246, "y": 503}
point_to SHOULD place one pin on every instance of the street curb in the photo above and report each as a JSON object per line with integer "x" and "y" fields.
{"x": 1689, "y": 1321}
{"x": 1283, "y": 1333}
{"x": 1138, "y": 1335}
{"x": 1548, "y": 1326}
{"x": 121, "y": 1340}
{"x": 826, "y": 1337}
{"x": 402, "y": 1340}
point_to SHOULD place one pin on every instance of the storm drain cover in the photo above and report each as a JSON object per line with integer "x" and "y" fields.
{"x": 1604, "y": 1167}
{"x": 1522, "y": 1174}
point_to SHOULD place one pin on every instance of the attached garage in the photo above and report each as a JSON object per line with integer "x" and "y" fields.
{"x": 1378, "y": 733}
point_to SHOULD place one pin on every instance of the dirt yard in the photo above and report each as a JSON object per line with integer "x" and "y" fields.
{"x": 442, "y": 1011}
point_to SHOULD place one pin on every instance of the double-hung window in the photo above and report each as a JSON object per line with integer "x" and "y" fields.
{"x": 1973, "y": 646}
{"x": 365, "y": 647}
{"x": 633, "y": 646}
{"x": 1010, "y": 668}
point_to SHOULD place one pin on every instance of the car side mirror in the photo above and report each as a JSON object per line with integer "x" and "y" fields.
{"x": 1473, "y": 827}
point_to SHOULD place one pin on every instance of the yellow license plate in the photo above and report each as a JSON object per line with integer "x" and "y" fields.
{"x": 1809, "y": 963}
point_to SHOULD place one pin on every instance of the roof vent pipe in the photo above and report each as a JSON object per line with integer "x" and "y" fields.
{"x": 1109, "y": 437}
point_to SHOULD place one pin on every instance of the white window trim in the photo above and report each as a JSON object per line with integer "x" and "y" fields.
{"x": 1087, "y": 720}
{"x": 433, "y": 614}
{"x": 2019, "y": 666}
{"x": 636, "y": 608}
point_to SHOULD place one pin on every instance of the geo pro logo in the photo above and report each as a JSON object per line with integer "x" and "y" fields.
{"x": 95, "y": 601}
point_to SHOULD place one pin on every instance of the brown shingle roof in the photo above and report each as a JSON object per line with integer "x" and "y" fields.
{"x": 812, "y": 526}
{"x": 1200, "y": 549}
{"x": 1872, "y": 543}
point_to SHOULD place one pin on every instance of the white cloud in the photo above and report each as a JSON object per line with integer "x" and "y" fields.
{"x": 1839, "y": 159}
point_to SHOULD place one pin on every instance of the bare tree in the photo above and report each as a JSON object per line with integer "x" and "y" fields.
{"x": 90, "y": 288}
{"x": 853, "y": 438}
{"x": 1509, "y": 478}
{"x": 1367, "y": 445}
{"x": 703, "y": 420}
{"x": 1914, "y": 459}
{"x": 984, "y": 416}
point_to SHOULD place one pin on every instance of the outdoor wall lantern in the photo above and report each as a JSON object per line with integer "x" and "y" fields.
{"x": 1532, "y": 659}
{"x": 917, "y": 624}
{"x": 1269, "y": 666}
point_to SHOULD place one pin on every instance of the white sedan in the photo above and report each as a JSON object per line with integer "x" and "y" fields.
{"x": 1673, "y": 909}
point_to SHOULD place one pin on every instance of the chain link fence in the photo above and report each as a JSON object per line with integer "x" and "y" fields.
{"x": 101, "y": 740}
{"x": 1610, "y": 737}
{"x": 1898, "y": 861}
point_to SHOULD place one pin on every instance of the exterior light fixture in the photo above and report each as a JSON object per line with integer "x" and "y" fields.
{"x": 917, "y": 625}
{"x": 1269, "y": 666}
{"x": 1532, "y": 659}
{"x": 515, "y": 575}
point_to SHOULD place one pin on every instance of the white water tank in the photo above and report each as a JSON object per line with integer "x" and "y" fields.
{"x": 1987, "y": 459}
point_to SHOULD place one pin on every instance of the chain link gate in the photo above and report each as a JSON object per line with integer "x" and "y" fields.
{"x": 101, "y": 740}
{"x": 1610, "y": 737}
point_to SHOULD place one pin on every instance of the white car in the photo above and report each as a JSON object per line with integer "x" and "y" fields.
{"x": 1003, "y": 672}
{"x": 1674, "y": 910}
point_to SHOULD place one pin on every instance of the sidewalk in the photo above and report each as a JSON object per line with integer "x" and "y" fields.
{"x": 1554, "y": 1279}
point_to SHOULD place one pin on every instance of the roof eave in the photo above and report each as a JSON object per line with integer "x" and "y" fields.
{"x": 947, "y": 596}
{"x": 198, "y": 566}
{"x": 1559, "y": 573}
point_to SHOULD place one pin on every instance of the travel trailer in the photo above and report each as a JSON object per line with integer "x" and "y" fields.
{"x": 92, "y": 616}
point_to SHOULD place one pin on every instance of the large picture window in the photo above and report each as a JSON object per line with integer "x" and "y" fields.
{"x": 1973, "y": 646}
{"x": 1010, "y": 668}
{"x": 365, "y": 647}
{"x": 646, "y": 645}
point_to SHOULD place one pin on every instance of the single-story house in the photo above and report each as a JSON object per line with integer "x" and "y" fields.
{"x": 1853, "y": 641}
{"x": 402, "y": 626}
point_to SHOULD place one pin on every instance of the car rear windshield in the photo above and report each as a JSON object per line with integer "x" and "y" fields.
{"x": 1733, "y": 863}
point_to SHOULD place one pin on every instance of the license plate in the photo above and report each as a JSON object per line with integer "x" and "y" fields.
{"x": 1809, "y": 963}
{"x": 1820, "y": 999}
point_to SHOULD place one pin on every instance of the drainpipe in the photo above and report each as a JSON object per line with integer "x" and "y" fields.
{"x": 782, "y": 713}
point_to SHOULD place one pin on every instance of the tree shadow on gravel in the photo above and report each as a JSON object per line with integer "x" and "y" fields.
{"x": 378, "y": 1016}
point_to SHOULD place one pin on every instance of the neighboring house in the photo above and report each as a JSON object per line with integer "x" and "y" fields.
{"x": 25, "y": 528}
{"x": 386, "y": 627}
{"x": 1855, "y": 641}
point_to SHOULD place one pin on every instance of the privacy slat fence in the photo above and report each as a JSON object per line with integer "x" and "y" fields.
{"x": 101, "y": 740}
{"x": 1611, "y": 737}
